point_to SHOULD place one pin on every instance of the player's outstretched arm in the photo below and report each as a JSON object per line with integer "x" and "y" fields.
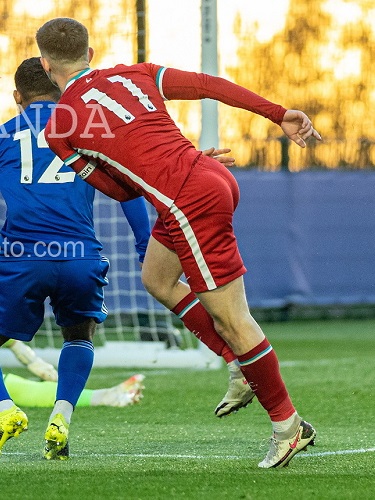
{"x": 179, "y": 84}
{"x": 28, "y": 357}
{"x": 298, "y": 127}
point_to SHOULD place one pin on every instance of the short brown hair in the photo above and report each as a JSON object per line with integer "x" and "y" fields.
{"x": 31, "y": 81}
{"x": 63, "y": 40}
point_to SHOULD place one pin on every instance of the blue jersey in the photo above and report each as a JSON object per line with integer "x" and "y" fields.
{"x": 49, "y": 208}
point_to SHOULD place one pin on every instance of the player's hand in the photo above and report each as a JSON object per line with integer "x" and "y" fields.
{"x": 42, "y": 369}
{"x": 298, "y": 127}
{"x": 217, "y": 154}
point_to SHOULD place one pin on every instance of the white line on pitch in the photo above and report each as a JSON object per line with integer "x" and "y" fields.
{"x": 234, "y": 457}
{"x": 338, "y": 452}
{"x": 230, "y": 457}
{"x": 205, "y": 457}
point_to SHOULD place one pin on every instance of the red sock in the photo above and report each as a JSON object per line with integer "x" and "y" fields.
{"x": 198, "y": 321}
{"x": 261, "y": 369}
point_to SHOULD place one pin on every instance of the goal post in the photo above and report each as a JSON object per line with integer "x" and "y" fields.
{"x": 210, "y": 115}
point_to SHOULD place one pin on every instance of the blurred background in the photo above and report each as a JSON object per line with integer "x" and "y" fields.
{"x": 306, "y": 220}
{"x": 314, "y": 55}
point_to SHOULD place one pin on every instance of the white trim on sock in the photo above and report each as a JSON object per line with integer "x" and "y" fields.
{"x": 6, "y": 404}
{"x": 290, "y": 424}
{"x": 63, "y": 407}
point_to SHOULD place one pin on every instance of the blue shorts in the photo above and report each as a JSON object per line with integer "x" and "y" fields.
{"x": 75, "y": 289}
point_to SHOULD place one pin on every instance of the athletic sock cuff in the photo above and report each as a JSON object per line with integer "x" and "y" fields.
{"x": 256, "y": 353}
{"x": 185, "y": 305}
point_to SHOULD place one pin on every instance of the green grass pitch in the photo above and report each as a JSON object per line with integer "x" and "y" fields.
{"x": 171, "y": 446}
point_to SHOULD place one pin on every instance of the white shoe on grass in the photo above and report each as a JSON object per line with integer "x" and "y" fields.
{"x": 239, "y": 395}
{"x": 282, "y": 451}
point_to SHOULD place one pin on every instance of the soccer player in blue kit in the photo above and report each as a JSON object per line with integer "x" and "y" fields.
{"x": 48, "y": 248}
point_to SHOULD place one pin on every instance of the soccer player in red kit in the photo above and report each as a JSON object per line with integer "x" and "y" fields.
{"x": 113, "y": 129}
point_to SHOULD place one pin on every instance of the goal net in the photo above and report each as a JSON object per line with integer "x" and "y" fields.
{"x": 139, "y": 332}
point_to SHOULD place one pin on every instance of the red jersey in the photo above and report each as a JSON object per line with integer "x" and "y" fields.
{"x": 112, "y": 127}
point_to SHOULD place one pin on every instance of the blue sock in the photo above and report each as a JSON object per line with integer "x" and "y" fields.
{"x": 4, "y": 394}
{"x": 75, "y": 363}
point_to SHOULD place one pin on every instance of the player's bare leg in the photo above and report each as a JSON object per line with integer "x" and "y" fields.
{"x": 228, "y": 307}
{"x": 259, "y": 364}
{"x": 161, "y": 273}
